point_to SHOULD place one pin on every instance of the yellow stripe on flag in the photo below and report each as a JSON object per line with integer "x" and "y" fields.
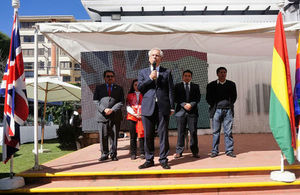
{"x": 298, "y": 48}
{"x": 279, "y": 83}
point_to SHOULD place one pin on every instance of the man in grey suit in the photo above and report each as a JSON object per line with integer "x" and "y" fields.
{"x": 187, "y": 97}
{"x": 156, "y": 84}
{"x": 109, "y": 99}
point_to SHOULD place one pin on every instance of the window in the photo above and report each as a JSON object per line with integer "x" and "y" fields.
{"x": 27, "y": 24}
{"x": 41, "y": 51}
{"x": 76, "y": 66}
{"x": 42, "y": 65}
{"x": 65, "y": 65}
{"x": 28, "y": 65}
{"x": 49, "y": 51}
{"x": 28, "y": 52}
{"x": 28, "y": 39}
{"x": 66, "y": 78}
{"x": 29, "y": 74}
{"x": 77, "y": 79}
{"x": 41, "y": 38}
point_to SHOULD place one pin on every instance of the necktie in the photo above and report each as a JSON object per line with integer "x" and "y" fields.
{"x": 187, "y": 92}
{"x": 109, "y": 90}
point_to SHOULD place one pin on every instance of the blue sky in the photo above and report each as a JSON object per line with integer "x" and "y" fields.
{"x": 39, "y": 7}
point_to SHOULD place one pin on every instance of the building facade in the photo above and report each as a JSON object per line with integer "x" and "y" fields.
{"x": 52, "y": 60}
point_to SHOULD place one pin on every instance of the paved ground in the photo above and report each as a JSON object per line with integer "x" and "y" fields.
{"x": 253, "y": 150}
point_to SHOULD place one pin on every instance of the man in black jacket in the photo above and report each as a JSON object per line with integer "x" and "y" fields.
{"x": 156, "y": 84}
{"x": 187, "y": 96}
{"x": 221, "y": 95}
{"x": 109, "y": 99}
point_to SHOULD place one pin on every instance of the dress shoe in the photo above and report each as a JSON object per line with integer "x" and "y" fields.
{"x": 165, "y": 166}
{"x": 177, "y": 155}
{"x": 213, "y": 155}
{"x": 142, "y": 156}
{"x": 133, "y": 157}
{"x": 114, "y": 158}
{"x": 196, "y": 156}
{"x": 147, "y": 164}
{"x": 103, "y": 158}
{"x": 230, "y": 154}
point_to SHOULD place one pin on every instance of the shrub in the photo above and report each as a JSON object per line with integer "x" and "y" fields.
{"x": 67, "y": 136}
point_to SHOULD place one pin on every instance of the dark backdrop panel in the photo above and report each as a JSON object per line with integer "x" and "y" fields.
{"x": 126, "y": 65}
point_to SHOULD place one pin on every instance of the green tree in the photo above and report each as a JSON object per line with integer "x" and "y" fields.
{"x": 4, "y": 51}
{"x": 61, "y": 114}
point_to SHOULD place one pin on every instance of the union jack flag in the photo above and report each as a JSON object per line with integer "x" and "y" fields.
{"x": 14, "y": 88}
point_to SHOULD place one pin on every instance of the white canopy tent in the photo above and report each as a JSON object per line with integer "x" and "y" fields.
{"x": 245, "y": 49}
{"x": 249, "y": 39}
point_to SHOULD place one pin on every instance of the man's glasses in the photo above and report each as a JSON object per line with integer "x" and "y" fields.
{"x": 109, "y": 76}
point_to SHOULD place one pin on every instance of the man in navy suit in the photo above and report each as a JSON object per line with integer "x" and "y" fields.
{"x": 156, "y": 84}
{"x": 187, "y": 97}
{"x": 109, "y": 99}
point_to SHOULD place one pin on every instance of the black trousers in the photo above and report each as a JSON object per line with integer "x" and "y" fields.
{"x": 181, "y": 128}
{"x": 133, "y": 138}
{"x": 108, "y": 134}
{"x": 149, "y": 123}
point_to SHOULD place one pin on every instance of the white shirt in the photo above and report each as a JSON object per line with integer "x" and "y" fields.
{"x": 189, "y": 85}
{"x": 219, "y": 82}
{"x": 137, "y": 93}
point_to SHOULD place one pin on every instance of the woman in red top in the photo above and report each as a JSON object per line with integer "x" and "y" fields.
{"x": 133, "y": 107}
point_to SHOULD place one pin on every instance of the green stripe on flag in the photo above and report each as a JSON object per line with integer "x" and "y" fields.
{"x": 280, "y": 127}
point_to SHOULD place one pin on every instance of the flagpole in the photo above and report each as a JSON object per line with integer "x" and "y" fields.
{"x": 15, "y": 5}
{"x": 35, "y": 92}
{"x": 282, "y": 163}
{"x": 11, "y": 174}
{"x": 283, "y": 132}
{"x": 12, "y": 182}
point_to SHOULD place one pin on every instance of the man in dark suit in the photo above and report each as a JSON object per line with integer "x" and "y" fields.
{"x": 156, "y": 84}
{"x": 221, "y": 95}
{"x": 187, "y": 96}
{"x": 109, "y": 99}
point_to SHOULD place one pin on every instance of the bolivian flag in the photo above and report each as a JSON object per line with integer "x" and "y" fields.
{"x": 282, "y": 121}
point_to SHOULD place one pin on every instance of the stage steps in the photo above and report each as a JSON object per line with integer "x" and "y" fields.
{"x": 248, "y": 180}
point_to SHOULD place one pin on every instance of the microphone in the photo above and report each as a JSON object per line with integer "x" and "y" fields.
{"x": 154, "y": 65}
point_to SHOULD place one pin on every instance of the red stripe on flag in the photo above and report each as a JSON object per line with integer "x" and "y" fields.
{"x": 20, "y": 109}
{"x": 19, "y": 69}
{"x": 281, "y": 48}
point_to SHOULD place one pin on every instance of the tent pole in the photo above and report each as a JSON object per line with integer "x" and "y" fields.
{"x": 35, "y": 91}
{"x": 43, "y": 119}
